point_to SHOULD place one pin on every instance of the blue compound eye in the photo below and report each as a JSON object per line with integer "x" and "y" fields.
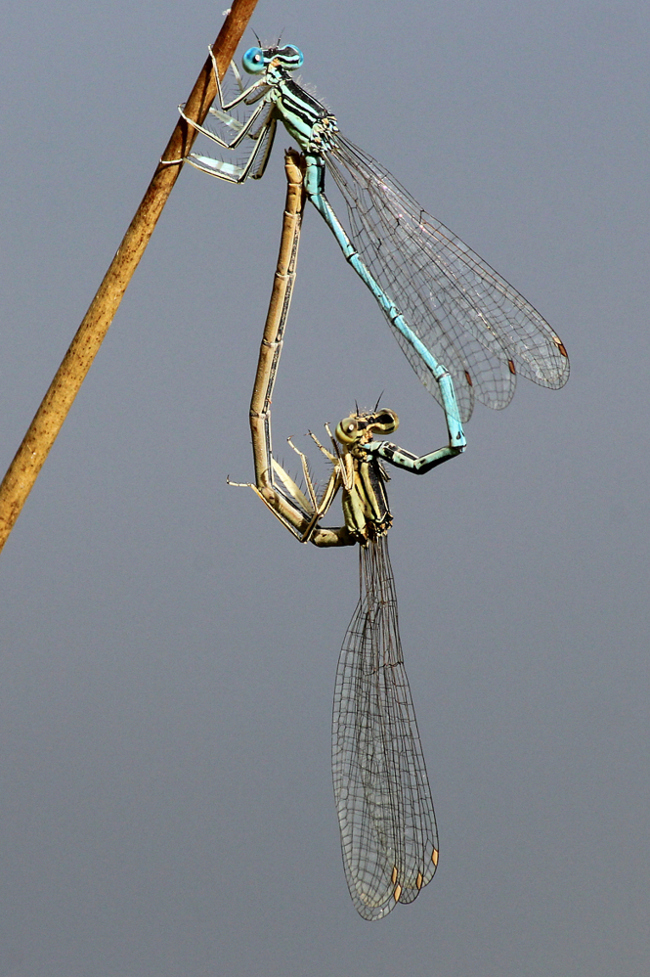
{"x": 253, "y": 61}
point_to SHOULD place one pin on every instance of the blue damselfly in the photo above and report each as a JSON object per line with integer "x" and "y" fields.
{"x": 449, "y": 310}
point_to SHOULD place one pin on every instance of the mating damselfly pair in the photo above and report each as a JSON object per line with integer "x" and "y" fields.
{"x": 467, "y": 334}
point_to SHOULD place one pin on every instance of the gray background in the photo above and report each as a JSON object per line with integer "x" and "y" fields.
{"x": 168, "y": 651}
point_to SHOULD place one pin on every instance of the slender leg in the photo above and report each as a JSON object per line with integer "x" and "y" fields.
{"x": 245, "y": 94}
{"x": 235, "y": 172}
{"x": 243, "y": 129}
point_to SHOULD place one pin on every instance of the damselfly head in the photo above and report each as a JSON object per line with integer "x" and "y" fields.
{"x": 256, "y": 60}
{"x": 362, "y": 427}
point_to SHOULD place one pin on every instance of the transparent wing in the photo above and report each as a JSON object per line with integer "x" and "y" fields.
{"x": 471, "y": 319}
{"x": 388, "y": 829}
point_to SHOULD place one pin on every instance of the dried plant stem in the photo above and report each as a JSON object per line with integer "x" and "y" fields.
{"x": 49, "y": 418}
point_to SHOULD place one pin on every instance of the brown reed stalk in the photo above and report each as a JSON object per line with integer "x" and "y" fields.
{"x": 51, "y": 414}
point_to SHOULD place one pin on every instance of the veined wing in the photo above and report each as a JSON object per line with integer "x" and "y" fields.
{"x": 388, "y": 829}
{"x": 474, "y": 323}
